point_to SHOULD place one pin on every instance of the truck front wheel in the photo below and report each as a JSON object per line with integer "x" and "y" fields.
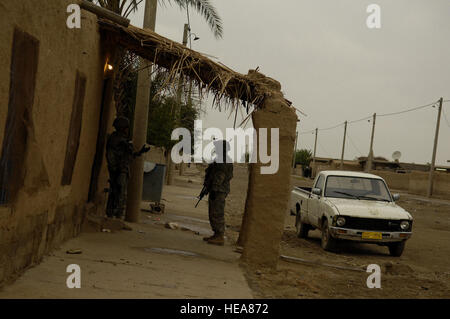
{"x": 396, "y": 249}
{"x": 328, "y": 242}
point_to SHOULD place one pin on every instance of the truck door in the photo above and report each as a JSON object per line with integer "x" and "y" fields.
{"x": 314, "y": 212}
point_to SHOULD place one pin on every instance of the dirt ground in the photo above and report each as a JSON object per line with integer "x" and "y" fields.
{"x": 147, "y": 261}
{"x": 152, "y": 261}
{"x": 423, "y": 271}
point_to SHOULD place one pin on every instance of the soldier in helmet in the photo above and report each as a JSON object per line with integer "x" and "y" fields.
{"x": 217, "y": 180}
{"x": 119, "y": 154}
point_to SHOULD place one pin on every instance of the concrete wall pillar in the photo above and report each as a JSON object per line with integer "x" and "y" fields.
{"x": 268, "y": 194}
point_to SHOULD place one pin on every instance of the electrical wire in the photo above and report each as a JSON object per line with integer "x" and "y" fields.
{"x": 353, "y": 144}
{"x": 330, "y": 128}
{"x": 408, "y": 110}
{"x": 307, "y": 132}
{"x": 445, "y": 117}
{"x": 378, "y": 115}
{"x": 360, "y": 120}
{"x": 324, "y": 150}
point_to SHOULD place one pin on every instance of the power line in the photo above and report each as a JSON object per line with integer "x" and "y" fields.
{"x": 302, "y": 133}
{"x": 445, "y": 117}
{"x": 409, "y": 110}
{"x": 323, "y": 149}
{"x": 330, "y": 128}
{"x": 353, "y": 144}
{"x": 378, "y": 115}
{"x": 363, "y": 119}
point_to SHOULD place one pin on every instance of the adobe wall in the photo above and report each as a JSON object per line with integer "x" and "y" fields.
{"x": 417, "y": 182}
{"x": 268, "y": 194}
{"x": 298, "y": 170}
{"x": 441, "y": 185}
{"x": 46, "y": 213}
{"x": 394, "y": 180}
{"x": 155, "y": 155}
{"x": 317, "y": 168}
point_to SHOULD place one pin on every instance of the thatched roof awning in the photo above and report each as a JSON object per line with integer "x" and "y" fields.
{"x": 177, "y": 58}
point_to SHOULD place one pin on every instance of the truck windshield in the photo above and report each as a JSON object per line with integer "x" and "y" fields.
{"x": 357, "y": 187}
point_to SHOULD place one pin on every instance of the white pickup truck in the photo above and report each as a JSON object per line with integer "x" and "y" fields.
{"x": 351, "y": 206}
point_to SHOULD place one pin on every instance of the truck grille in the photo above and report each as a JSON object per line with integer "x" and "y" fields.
{"x": 374, "y": 224}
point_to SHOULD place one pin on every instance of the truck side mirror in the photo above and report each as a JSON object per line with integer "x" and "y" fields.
{"x": 316, "y": 191}
{"x": 395, "y": 197}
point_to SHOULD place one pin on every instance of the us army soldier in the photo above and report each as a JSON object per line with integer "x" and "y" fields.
{"x": 217, "y": 180}
{"x": 119, "y": 154}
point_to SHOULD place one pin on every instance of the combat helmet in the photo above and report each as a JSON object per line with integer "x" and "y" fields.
{"x": 121, "y": 122}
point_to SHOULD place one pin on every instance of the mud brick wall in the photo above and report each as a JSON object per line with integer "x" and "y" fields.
{"x": 44, "y": 213}
{"x": 156, "y": 155}
{"x": 395, "y": 181}
{"x": 417, "y": 182}
{"x": 268, "y": 194}
{"x": 441, "y": 185}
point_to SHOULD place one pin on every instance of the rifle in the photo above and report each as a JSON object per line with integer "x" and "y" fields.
{"x": 203, "y": 193}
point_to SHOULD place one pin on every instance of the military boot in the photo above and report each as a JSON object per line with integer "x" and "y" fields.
{"x": 217, "y": 240}
{"x": 210, "y": 237}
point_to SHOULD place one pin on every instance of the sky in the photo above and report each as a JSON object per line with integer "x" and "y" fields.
{"x": 335, "y": 69}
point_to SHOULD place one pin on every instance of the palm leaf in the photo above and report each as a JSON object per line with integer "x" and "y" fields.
{"x": 203, "y": 7}
{"x": 207, "y": 10}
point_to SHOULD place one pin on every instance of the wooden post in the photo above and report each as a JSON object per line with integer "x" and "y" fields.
{"x": 433, "y": 160}
{"x": 313, "y": 166}
{"x": 295, "y": 150}
{"x": 104, "y": 13}
{"x": 343, "y": 146}
{"x": 135, "y": 183}
{"x": 370, "y": 157}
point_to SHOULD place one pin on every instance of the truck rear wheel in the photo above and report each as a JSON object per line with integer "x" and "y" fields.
{"x": 396, "y": 249}
{"x": 302, "y": 228}
{"x": 328, "y": 243}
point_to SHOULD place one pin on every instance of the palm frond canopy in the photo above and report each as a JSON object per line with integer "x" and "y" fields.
{"x": 176, "y": 58}
{"x": 203, "y": 7}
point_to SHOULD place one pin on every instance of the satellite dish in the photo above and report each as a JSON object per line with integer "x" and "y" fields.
{"x": 396, "y": 155}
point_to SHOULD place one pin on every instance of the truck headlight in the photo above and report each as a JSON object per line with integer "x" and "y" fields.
{"x": 340, "y": 221}
{"x": 404, "y": 225}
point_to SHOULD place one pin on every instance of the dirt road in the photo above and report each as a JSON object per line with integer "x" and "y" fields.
{"x": 423, "y": 271}
{"x": 152, "y": 261}
{"x": 149, "y": 261}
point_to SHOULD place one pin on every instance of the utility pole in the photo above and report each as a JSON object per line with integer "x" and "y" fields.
{"x": 370, "y": 158}
{"x": 134, "y": 197}
{"x": 314, "y": 155}
{"x": 295, "y": 150}
{"x": 170, "y": 166}
{"x": 433, "y": 160}
{"x": 343, "y": 146}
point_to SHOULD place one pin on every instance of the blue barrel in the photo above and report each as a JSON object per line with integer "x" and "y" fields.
{"x": 154, "y": 175}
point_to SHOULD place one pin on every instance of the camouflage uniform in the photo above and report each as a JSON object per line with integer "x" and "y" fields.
{"x": 217, "y": 178}
{"x": 119, "y": 153}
